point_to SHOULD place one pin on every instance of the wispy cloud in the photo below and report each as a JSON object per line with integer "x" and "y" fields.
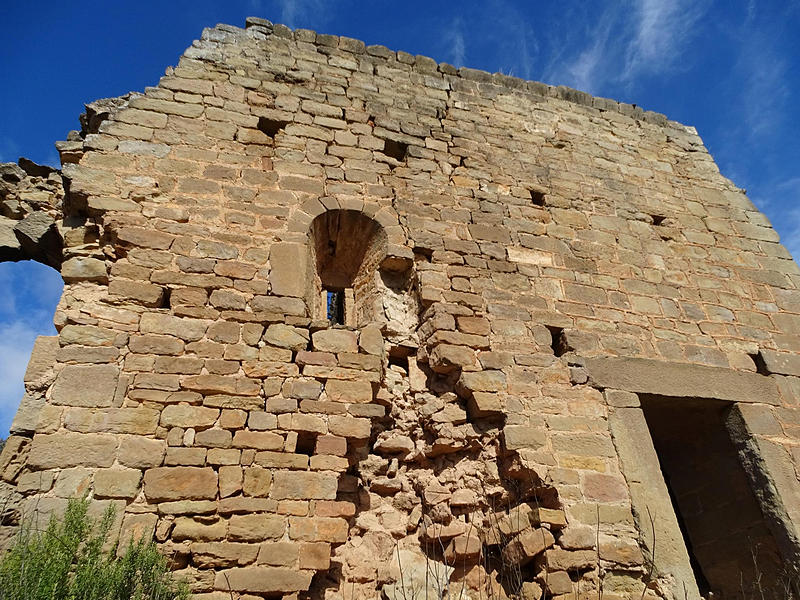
{"x": 764, "y": 92}
{"x": 456, "y": 45}
{"x": 295, "y": 13}
{"x": 624, "y": 43}
{"x": 662, "y": 30}
{"x": 513, "y": 37}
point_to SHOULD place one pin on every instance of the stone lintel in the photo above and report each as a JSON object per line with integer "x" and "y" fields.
{"x": 647, "y": 376}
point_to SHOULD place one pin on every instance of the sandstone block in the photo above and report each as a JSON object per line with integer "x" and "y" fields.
{"x": 222, "y": 384}
{"x": 288, "y": 270}
{"x": 517, "y": 437}
{"x": 256, "y": 528}
{"x": 213, "y": 438}
{"x": 117, "y": 483}
{"x": 466, "y": 547}
{"x": 528, "y": 545}
{"x": 257, "y": 481}
{"x": 43, "y": 357}
{"x": 72, "y": 449}
{"x": 259, "y": 440}
{"x": 318, "y": 529}
{"x": 141, "y": 421}
{"x": 447, "y": 357}
{"x": 598, "y": 487}
{"x": 140, "y": 452}
{"x": 163, "y": 484}
{"x": 303, "y": 485}
{"x": 80, "y": 268}
{"x": 215, "y": 555}
{"x": 285, "y": 336}
{"x": 483, "y": 381}
{"x": 85, "y": 385}
{"x": 315, "y": 555}
{"x": 339, "y": 390}
{"x": 331, "y": 444}
{"x": 350, "y": 427}
{"x": 263, "y": 580}
{"x": 278, "y": 554}
{"x": 370, "y": 340}
{"x": 187, "y": 329}
{"x": 485, "y": 404}
{"x": 137, "y": 526}
{"x": 335, "y": 340}
{"x": 570, "y": 560}
{"x": 28, "y": 414}
{"x": 184, "y": 415}
{"x": 230, "y": 480}
{"x": 87, "y": 335}
{"x": 187, "y": 528}
{"x": 155, "y": 344}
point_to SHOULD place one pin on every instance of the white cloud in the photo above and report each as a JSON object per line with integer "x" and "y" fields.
{"x": 764, "y": 91}
{"x": 306, "y": 10}
{"x": 456, "y": 46}
{"x": 662, "y": 30}
{"x": 623, "y": 43}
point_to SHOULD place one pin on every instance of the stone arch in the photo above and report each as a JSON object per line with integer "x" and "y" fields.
{"x": 346, "y": 248}
{"x": 369, "y": 244}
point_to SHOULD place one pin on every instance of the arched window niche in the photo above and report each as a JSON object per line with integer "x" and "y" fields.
{"x": 347, "y": 249}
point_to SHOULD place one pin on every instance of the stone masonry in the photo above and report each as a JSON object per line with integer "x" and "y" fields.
{"x": 525, "y": 275}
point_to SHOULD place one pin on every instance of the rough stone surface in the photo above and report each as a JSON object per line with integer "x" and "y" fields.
{"x": 341, "y": 313}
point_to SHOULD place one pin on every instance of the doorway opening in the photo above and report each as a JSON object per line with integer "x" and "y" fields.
{"x": 731, "y": 549}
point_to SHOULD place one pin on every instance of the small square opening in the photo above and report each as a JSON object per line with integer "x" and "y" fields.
{"x": 658, "y": 219}
{"x": 396, "y": 150}
{"x": 271, "y": 126}
{"x": 537, "y": 198}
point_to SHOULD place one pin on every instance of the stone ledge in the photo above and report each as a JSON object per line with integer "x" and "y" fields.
{"x": 646, "y": 376}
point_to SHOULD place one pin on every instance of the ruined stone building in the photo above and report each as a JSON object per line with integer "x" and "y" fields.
{"x": 341, "y": 322}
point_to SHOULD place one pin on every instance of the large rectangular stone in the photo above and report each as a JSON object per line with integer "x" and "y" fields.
{"x": 85, "y": 385}
{"x": 263, "y": 580}
{"x": 664, "y": 378}
{"x": 288, "y": 269}
{"x": 163, "y": 484}
{"x": 63, "y": 450}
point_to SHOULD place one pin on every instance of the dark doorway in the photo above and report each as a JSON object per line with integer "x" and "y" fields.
{"x": 730, "y": 546}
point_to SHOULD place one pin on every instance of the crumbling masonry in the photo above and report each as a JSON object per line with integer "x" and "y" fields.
{"x": 342, "y": 322}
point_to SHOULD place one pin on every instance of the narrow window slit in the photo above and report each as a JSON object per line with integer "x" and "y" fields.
{"x": 658, "y": 219}
{"x": 271, "y": 127}
{"x": 335, "y": 306}
{"x": 558, "y": 341}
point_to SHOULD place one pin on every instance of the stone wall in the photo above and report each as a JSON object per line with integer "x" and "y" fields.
{"x": 537, "y": 257}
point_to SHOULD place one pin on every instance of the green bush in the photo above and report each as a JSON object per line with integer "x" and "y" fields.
{"x": 75, "y": 559}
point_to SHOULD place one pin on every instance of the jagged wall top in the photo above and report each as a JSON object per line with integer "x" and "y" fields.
{"x": 424, "y": 65}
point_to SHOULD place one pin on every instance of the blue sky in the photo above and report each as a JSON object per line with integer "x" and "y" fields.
{"x": 730, "y": 68}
